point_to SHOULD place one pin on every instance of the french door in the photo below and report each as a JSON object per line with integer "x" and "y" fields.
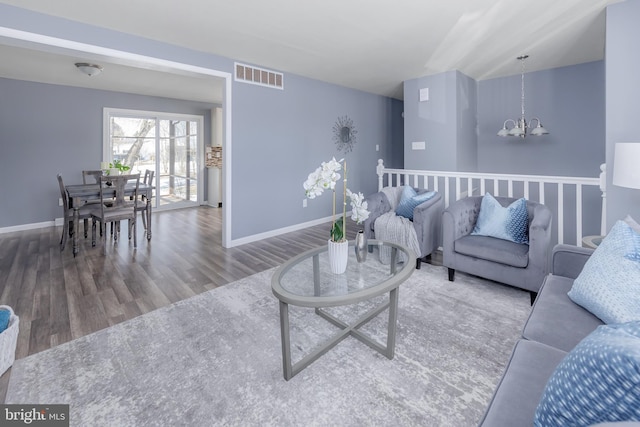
{"x": 168, "y": 144}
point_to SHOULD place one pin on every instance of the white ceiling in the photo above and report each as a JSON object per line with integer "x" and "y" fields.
{"x": 371, "y": 45}
{"x": 26, "y": 63}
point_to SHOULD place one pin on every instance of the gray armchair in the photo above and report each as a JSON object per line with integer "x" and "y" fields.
{"x": 426, "y": 219}
{"x": 520, "y": 265}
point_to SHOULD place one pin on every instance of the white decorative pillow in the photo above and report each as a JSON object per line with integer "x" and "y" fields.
{"x": 510, "y": 223}
{"x": 609, "y": 284}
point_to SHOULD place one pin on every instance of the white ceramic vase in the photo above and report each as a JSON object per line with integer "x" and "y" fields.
{"x": 338, "y": 255}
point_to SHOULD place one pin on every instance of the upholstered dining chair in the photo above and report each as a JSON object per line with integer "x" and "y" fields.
{"x": 120, "y": 209}
{"x": 68, "y": 225}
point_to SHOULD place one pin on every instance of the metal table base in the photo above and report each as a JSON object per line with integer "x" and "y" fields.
{"x": 290, "y": 369}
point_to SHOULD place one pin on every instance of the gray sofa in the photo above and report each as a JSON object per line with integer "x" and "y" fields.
{"x": 520, "y": 265}
{"x": 426, "y": 220}
{"x": 555, "y": 326}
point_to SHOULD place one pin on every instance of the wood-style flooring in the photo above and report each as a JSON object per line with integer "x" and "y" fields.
{"x": 60, "y": 298}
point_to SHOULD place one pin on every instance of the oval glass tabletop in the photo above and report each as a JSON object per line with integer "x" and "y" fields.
{"x": 306, "y": 279}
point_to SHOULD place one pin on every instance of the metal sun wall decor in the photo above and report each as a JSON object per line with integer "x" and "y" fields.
{"x": 344, "y": 134}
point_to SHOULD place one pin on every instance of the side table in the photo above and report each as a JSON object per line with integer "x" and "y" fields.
{"x": 591, "y": 241}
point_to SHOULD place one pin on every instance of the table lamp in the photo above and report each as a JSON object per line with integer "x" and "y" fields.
{"x": 626, "y": 165}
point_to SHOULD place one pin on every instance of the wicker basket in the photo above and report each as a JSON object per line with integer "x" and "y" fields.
{"x": 8, "y": 341}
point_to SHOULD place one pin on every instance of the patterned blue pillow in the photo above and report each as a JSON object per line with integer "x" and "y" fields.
{"x": 410, "y": 200}
{"x": 599, "y": 380}
{"x": 609, "y": 284}
{"x": 510, "y": 223}
{"x": 5, "y": 316}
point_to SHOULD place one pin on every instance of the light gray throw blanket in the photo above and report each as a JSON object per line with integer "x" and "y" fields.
{"x": 397, "y": 229}
{"x": 393, "y": 195}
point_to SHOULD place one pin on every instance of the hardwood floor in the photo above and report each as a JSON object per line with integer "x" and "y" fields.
{"x": 59, "y": 298}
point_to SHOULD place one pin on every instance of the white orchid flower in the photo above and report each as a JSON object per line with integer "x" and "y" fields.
{"x": 325, "y": 178}
{"x": 359, "y": 206}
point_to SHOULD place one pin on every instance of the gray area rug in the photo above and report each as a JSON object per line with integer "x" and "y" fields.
{"x": 215, "y": 359}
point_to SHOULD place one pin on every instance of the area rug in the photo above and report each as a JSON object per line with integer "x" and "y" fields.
{"x": 215, "y": 360}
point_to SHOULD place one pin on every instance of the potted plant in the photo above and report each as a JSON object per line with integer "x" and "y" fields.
{"x": 117, "y": 168}
{"x": 323, "y": 178}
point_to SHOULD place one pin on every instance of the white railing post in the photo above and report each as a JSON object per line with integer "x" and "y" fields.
{"x": 380, "y": 172}
{"x": 561, "y": 213}
{"x": 603, "y": 189}
{"x": 446, "y": 192}
{"x": 579, "y": 213}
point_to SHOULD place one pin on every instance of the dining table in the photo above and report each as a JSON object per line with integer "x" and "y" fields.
{"x": 79, "y": 194}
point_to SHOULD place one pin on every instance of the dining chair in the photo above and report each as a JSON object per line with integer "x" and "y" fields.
{"x": 120, "y": 209}
{"x": 84, "y": 213}
{"x": 91, "y": 176}
{"x": 143, "y": 206}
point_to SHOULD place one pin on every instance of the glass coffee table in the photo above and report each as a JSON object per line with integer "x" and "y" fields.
{"x": 306, "y": 281}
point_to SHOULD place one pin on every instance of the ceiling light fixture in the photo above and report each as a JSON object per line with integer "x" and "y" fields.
{"x": 89, "y": 69}
{"x": 520, "y": 125}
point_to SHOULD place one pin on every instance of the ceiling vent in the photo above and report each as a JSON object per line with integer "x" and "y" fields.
{"x": 258, "y": 76}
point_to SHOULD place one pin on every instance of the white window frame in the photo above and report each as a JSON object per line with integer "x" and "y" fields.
{"x": 107, "y": 149}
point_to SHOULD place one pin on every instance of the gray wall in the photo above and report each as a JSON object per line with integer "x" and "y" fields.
{"x": 49, "y": 129}
{"x": 446, "y": 122}
{"x": 623, "y": 93}
{"x": 462, "y": 118}
{"x": 570, "y": 103}
{"x": 284, "y": 135}
{"x": 433, "y": 121}
{"x": 460, "y": 122}
{"x": 278, "y": 136}
{"x": 467, "y": 123}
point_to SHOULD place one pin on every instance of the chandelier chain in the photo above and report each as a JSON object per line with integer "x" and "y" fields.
{"x": 522, "y": 90}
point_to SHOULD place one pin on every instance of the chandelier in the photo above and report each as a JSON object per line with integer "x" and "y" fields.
{"x": 520, "y": 125}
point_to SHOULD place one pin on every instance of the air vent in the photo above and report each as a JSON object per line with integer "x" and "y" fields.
{"x": 259, "y": 76}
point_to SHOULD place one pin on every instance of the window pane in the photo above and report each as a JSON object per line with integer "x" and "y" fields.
{"x": 169, "y": 147}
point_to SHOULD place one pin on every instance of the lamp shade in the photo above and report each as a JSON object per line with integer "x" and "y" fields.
{"x": 539, "y": 130}
{"x": 503, "y": 132}
{"x": 626, "y": 165}
{"x": 516, "y": 131}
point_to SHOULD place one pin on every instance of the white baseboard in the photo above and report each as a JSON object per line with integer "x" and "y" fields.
{"x": 234, "y": 242}
{"x": 279, "y": 231}
{"x": 33, "y": 226}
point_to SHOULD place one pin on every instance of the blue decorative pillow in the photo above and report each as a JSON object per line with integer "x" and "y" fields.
{"x": 5, "y": 316}
{"x": 410, "y": 200}
{"x": 609, "y": 284}
{"x": 599, "y": 380}
{"x": 510, "y": 223}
